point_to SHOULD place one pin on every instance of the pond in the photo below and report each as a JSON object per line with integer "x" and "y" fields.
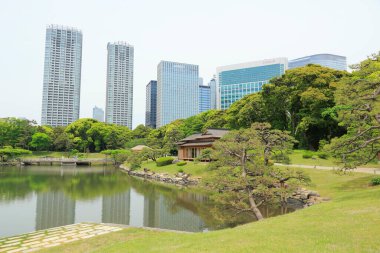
{"x": 39, "y": 197}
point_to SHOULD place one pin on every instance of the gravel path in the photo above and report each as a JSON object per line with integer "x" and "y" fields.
{"x": 362, "y": 170}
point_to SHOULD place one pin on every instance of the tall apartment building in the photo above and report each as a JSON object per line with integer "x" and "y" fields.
{"x": 119, "y": 101}
{"x": 204, "y": 98}
{"x": 98, "y": 114}
{"x": 327, "y": 60}
{"x": 177, "y": 91}
{"x": 62, "y": 76}
{"x": 238, "y": 80}
{"x": 151, "y": 104}
{"x": 213, "y": 93}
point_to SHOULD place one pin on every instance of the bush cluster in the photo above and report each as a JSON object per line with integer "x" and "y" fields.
{"x": 181, "y": 163}
{"x": 375, "y": 181}
{"x": 307, "y": 155}
{"x": 310, "y": 154}
{"x": 162, "y": 161}
{"x": 323, "y": 155}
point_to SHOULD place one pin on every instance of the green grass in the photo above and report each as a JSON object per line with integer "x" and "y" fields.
{"x": 349, "y": 222}
{"x": 195, "y": 169}
{"x": 296, "y": 158}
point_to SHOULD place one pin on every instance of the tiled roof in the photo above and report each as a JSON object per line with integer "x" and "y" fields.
{"x": 210, "y": 133}
{"x": 139, "y": 147}
{"x": 196, "y": 144}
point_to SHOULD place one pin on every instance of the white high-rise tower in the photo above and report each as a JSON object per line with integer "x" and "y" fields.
{"x": 119, "y": 101}
{"x": 62, "y": 75}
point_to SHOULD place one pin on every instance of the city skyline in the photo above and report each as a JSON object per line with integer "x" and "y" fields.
{"x": 24, "y": 52}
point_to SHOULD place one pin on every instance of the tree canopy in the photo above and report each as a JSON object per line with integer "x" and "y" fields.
{"x": 358, "y": 110}
{"x": 244, "y": 179}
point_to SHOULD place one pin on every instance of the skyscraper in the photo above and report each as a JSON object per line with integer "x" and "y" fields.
{"x": 151, "y": 104}
{"x": 119, "y": 101}
{"x": 62, "y": 76}
{"x": 236, "y": 81}
{"x": 177, "y": 91}
{"x": 214, "y": 92}
{"x": 327, "y": 60}
{"x": 204, "y": 98}
{"x": 98, "y": 114}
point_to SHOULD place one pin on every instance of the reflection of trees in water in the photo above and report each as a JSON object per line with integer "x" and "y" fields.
{"x": 185, "y": 205}
{"x": 17, "y": 184}
{"x": 164, "y": 206}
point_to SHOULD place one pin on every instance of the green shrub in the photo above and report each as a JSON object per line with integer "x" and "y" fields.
{"x": 180, "y": 170}
{"x": 162, "y": 161}
{"x": 307, "y": 155}
{"x": 323, "y": 155}
{"x": 181, "y": 163}
{"x": 375, "y": 181}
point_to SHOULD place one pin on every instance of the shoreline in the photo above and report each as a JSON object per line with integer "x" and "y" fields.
{"x": 305, "y": 196}
{"x": 160, "y": 177}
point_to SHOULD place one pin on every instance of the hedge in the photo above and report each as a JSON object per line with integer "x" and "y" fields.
{"x": 162, "y": 161}
{"x": 181, "y": 163}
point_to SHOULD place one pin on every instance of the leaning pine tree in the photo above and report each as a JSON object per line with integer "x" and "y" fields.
{"x": 244, "y": 177}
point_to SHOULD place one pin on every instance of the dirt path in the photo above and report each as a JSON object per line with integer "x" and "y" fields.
{"x": 362, "y": 170}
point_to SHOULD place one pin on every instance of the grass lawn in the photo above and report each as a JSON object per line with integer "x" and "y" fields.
{"x": 349, "y": 222}
{"x": 195, "y": 169}
{"x": 296, "y": 158}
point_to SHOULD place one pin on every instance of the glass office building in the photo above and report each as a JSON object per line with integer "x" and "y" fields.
{"x": 62, "y": 76}
{"x": 177, "y": 91}
{"x": 238, "y": 80}
{"x": 327, "y": 60}
{"x": 151, "y": 104}
{"x": 204, "y": 98}
{"x": 119, "y": 101}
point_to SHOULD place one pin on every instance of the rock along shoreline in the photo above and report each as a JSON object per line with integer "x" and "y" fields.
{"x": 182, "y": 179}
{"x": 304, "y": 196}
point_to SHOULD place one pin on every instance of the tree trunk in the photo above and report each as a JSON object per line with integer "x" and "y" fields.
{"x": 266, "y": 156}
{"x": 252, "y": 202}
{"x": 254, "y": 207}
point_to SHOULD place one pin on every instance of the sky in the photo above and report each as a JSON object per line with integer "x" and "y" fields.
{"x": 209, "y": 33}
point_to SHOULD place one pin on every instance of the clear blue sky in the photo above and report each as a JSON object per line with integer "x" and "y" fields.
{"x": 204, "y": 32}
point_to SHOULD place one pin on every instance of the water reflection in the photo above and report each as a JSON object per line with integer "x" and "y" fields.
{"x": 116, "y": 208}
{"x": 54, "y": 209}
{"x": 35, "y": 198}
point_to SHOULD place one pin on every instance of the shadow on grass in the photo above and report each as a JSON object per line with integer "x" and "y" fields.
{"x": 355, "y": 184}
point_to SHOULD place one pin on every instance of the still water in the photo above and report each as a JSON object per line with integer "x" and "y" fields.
{"x": 35, "y": 198}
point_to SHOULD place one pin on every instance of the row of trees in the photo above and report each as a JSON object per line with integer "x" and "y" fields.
{"x": 85, "y": 135}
